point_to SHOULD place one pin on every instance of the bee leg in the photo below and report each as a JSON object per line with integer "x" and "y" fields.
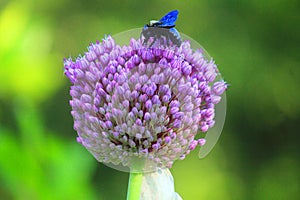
{"x": 169, "y": 40}
{"x": 154, "y": 36}
{"x": 146, "y": 39}
{"x": 152, "y": 42}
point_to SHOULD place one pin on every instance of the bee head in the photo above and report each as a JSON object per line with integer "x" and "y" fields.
{"x": 153, "y": 23}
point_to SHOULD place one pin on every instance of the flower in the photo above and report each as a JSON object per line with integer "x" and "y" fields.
{"x": 139, "y": 102}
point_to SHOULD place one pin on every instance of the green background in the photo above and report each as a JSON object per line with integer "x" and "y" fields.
{"x": 256, "y": 46}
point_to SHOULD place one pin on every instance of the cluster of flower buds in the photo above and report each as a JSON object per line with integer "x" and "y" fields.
{"x": 139, "y": 102}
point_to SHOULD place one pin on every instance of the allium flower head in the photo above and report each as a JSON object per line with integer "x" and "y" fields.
{"x": 137, "y": 103}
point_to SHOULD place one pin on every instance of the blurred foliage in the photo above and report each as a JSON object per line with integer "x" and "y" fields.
{"x": 256, "y": 45}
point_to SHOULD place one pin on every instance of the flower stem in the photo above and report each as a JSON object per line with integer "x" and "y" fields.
{"x": 134, "y": 186}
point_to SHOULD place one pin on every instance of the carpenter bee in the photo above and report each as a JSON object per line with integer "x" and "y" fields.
{"x": 162, "y": 32}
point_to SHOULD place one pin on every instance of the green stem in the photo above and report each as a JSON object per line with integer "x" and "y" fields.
{"x": 134, "y": 186}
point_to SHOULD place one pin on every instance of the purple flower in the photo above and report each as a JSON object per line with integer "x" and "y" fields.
{"x": 135, "y": 101}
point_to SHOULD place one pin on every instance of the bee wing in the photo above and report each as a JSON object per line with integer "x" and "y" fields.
{"x": 169, "y": 19}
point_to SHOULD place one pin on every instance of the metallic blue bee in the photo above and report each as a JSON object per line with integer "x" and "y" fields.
{"x": 162, "y": 31}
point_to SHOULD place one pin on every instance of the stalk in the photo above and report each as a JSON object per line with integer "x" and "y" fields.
{"x": 134, "y": 186}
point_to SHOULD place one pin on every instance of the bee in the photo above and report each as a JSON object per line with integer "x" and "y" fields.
{"x": 162, "y": 31}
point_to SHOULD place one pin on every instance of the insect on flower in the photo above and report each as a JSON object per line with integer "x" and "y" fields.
{"x": 162, "y": 31}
